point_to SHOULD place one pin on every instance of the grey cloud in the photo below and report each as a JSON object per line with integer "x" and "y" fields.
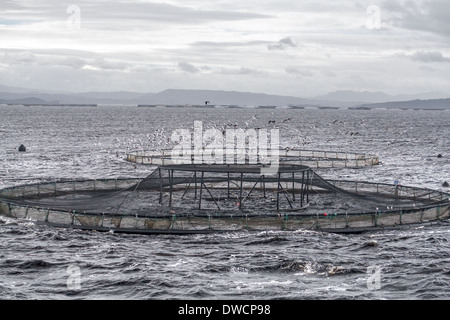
{"x": 109, "y": 65}
{"x": 113, "y": 14}
{"x": 212, "y": 44}
{"x": 282, "y": 44}
{"x": 244, "y": 70}
{"x": 47, "y": 58}
{"x": 19, "y": 57}
{"x": 298, "y": 72}
{"x": 54, "y": 52}
{"x": 392, "y": 6}
{"x": 329, "y": 74}
{"x": 426, "y": 68}
{"x": 171, "y": 13}
{"x": 427, "y": 16}
{"x": 185, "y": 66}
{"x": 241, "y": 71}
{"x": 429, "y": 56}
{"x": 74, "y": 62}
{"x": 13, "y": 22}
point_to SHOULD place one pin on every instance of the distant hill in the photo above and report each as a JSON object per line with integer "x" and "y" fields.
{"x": 219, "y": 97}
{"x": 432, "y": 104}
{"x": 354, "y": 96}
{"x": 341, "y": 99}
{"x": 170, "y": 96}
{"x": 362, "y": 97}
{"x": 30, "y": 100}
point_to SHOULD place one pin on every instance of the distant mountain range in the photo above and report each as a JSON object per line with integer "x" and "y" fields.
{"x": 378, "y": 97}
{"x": 338, "y": 99}
{"x": 432, "y": 104}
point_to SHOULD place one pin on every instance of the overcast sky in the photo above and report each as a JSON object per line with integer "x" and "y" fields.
{"x": 300, "y": 48}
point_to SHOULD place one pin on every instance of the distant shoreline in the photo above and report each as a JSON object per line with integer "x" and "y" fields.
{"x": 233, "y": 106}
{"x": 50, "y": 105}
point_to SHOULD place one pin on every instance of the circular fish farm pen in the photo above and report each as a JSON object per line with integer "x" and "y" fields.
{"x": 191, "y": 198}
{"x": 312, "y": 158}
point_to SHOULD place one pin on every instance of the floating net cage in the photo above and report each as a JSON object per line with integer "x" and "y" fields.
{"x": 311, "y": 158}
{"x": 190, "y": 198}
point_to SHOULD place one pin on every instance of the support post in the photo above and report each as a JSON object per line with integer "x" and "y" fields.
{"x": 201, "y": 190}
{"x": 278, "y": 191}
{"x": 160, "y": 186}
{"x": 195, "y": 184}
{"x": 264, "y": 185}
{"x": 302, "y": 190}
{"x": 240, "y": 191}
{"x": 293, "y": 186}
{"x": 170, "y": 187}
{"x": 309, "y": 184}
{"x": 228, "y": 188}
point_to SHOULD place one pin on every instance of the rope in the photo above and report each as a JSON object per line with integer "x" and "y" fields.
{"x": 137, "y": 185}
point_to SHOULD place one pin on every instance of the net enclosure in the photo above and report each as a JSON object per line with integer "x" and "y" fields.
{"x": 312, "y": 158}
{"x": 190, "y": 198}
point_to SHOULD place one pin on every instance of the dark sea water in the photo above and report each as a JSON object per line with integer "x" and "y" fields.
{"x": 40, "y": 262}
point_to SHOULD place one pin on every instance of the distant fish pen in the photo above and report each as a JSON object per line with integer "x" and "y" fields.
{"x": 311, "y": 158}
{"x": 190, "y": 198}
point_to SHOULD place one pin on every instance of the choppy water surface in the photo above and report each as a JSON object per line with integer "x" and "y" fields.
{"x": 38, "y": 262}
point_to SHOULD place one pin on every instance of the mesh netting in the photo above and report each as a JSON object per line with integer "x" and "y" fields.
{"x": 206, "y": 198}
{"x": 311, "y": 158}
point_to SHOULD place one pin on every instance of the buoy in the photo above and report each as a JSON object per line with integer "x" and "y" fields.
{"x": 445, "y": 184}
{"x": 22, "y": 148}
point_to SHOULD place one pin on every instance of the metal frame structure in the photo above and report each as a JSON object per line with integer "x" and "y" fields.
{"x": 297, "y": 180}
